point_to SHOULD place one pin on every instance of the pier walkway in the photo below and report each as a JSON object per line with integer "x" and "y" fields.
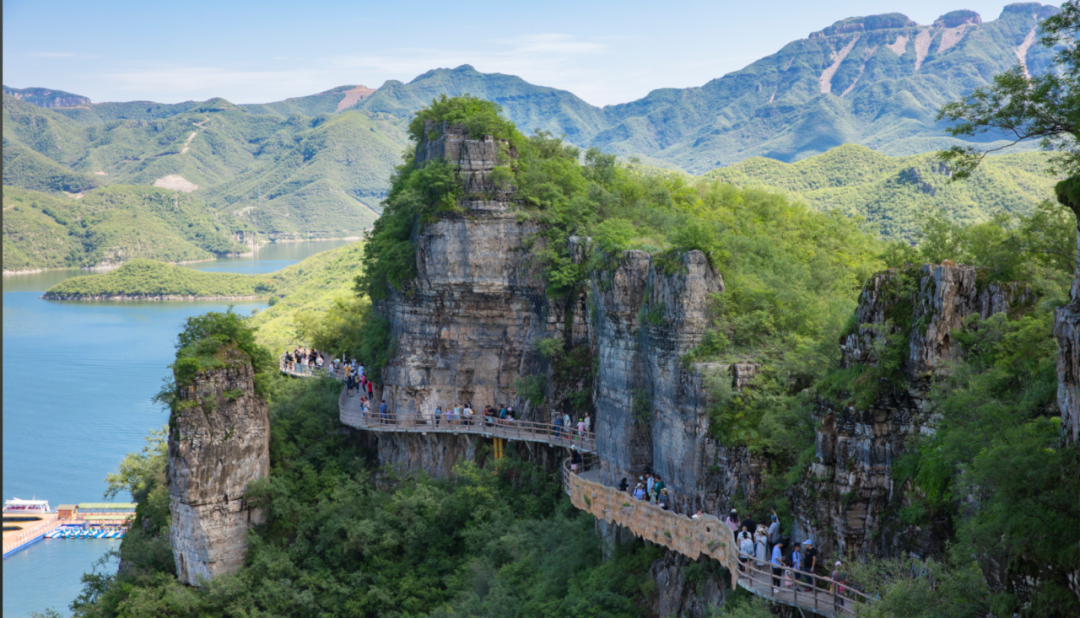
{"x": 703, "y": 536}
{"x": 17, "y": 539}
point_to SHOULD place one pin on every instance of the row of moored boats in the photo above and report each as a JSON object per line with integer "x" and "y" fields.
{"x": 73, "y": 532}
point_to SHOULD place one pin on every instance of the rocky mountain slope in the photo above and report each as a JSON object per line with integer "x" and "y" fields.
{"x": 322, "y": 163}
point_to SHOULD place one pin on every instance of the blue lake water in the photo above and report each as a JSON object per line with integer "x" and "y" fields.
{"x": 78, "y": 385}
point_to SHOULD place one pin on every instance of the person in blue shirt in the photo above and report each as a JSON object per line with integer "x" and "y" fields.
{"x": 382, "y": 412}
{"x": 777, "y": 565}
{"x": 796, "y": 561}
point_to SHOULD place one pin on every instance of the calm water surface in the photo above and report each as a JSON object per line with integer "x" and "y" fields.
{"x": 78, "y": 379}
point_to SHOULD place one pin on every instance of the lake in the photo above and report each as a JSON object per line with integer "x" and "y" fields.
{"x": 79, "y": 378}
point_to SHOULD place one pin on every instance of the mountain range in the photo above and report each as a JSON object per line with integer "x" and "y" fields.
{"x": 321, "y": 163}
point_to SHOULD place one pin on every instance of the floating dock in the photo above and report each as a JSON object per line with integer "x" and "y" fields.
{"x": 86, "y": 520}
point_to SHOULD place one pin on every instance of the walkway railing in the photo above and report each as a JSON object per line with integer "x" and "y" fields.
{"x": 299, "y": 370}
{"x": 820, "y": 594}
{"x": 528, "y": 431}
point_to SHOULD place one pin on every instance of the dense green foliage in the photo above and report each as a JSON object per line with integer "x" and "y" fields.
{"x": 479, "y": 117}
{"x": 340, "y": 541}
{"x": 141, "y": 278}
{"x": 200, "y": 346}
{"x": 110, "y": 225}
{"x": 895, "y": 193}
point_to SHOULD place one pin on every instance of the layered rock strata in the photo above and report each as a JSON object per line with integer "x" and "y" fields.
{"x": 465, "y": 330}
{"x": 651, "y": 406}
{"x": 850, "y": 494}
{"x": 219, "y": 441}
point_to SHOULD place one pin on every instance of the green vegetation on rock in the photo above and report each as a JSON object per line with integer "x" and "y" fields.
{"x": 141, "y": 278}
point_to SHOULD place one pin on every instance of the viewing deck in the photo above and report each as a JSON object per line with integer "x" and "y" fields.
{"x": 703, "y": 536}
{"x": 527, "y": 431}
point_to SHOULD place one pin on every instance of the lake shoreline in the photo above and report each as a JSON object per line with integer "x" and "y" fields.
{"x": 145, "y": 297}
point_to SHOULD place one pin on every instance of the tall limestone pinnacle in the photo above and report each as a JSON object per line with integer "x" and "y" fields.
{"x": 219, "y": 441}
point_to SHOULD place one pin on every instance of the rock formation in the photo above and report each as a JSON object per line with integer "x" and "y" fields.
{"x": 1067, "y": 330}
{"x": 219, "y": 441}
{"x": 850, "y": 491}
{"x": 465, "y": 330}
{"x": 650, "y": 405}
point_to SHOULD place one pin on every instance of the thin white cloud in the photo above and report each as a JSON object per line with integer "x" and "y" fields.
{"x": 50, "y": 54}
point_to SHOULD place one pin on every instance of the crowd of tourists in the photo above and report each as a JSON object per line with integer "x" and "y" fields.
{"x": 302, "y": 360}
{"x": 650, "y": 488}
{"x": 791, "y": 563}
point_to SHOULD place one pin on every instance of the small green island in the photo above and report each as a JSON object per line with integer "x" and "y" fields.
{"x": 143, "y": 279}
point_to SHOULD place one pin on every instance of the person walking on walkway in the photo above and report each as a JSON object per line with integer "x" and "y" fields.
{"x": 774, "y": 528}
{"x": 558, "y": 425}
{"x": 761, "y": 547}
{"x": 580, "y": 428}
{"x": 733, "y": 522}
{"x": 575, "y": 460}
{"x": 809, "y": 560}
{"x": 777, "y": 565}
{"x": 837, "y": 585}
{"x": 746, "y": 546}
{"x": 639, "y": 492}
{"x": 383, "y": 413}
{"x": 796, "y": 561}
{"x": 649, "y": 482}
{"x": 588, "y": 423}
{"x": 438, "y": 415}
{"x": 658, "y": 485}
{"x": 623, "y": 485}
{"x": 663, "y": 500}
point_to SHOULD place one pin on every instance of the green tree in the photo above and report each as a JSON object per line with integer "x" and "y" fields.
{"x": 1045, "y": 107}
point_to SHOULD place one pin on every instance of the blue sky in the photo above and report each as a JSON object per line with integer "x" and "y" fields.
{"x": 256, "y": 52}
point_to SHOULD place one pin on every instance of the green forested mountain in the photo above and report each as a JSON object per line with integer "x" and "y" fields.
{"x": 893, "y": 192}
{"x": 321, "y": 163}
{"x": 110, "y": 225}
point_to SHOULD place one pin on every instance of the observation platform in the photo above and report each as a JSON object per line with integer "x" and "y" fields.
{"x": 526, "y": 431}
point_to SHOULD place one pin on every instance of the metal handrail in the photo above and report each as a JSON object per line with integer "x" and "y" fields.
{"x": 823, "y": 593}
{"x": 531, "y": 431}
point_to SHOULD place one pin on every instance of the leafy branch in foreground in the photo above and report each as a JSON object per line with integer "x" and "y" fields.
{"x": 1045, "y": 107}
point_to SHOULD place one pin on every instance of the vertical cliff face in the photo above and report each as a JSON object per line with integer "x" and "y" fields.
{"x": 650, "y": 405}
{"x": 850, "y": 493}
{"x": 1067, "y": 330}
{"x": 219, "y": 441}
{"x": 464, "y": 331}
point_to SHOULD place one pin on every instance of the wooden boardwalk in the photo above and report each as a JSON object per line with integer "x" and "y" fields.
{"x": 691, "y": 537}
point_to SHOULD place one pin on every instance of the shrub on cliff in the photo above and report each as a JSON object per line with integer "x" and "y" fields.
{"x": 200, "y": 343}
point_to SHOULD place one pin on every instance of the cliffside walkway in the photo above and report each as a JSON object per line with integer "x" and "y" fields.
{"x": 527, "y": 431}
{"x": 298, "y": 370}
{"x": 704, "y": 536}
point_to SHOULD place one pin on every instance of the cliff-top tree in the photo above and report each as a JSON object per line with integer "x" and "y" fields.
{"x": 1045, "y": 107}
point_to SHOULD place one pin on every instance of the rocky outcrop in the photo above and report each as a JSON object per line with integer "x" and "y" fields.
{"x": 219, "y": 441}
{"x": 650, "y": 405}
{"x": 465, "y": 329}
{"x": 850, "y": 495}
{"x": 1067, "y": 331}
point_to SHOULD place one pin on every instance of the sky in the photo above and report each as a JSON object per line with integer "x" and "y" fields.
{"x": 605, "y": 52}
